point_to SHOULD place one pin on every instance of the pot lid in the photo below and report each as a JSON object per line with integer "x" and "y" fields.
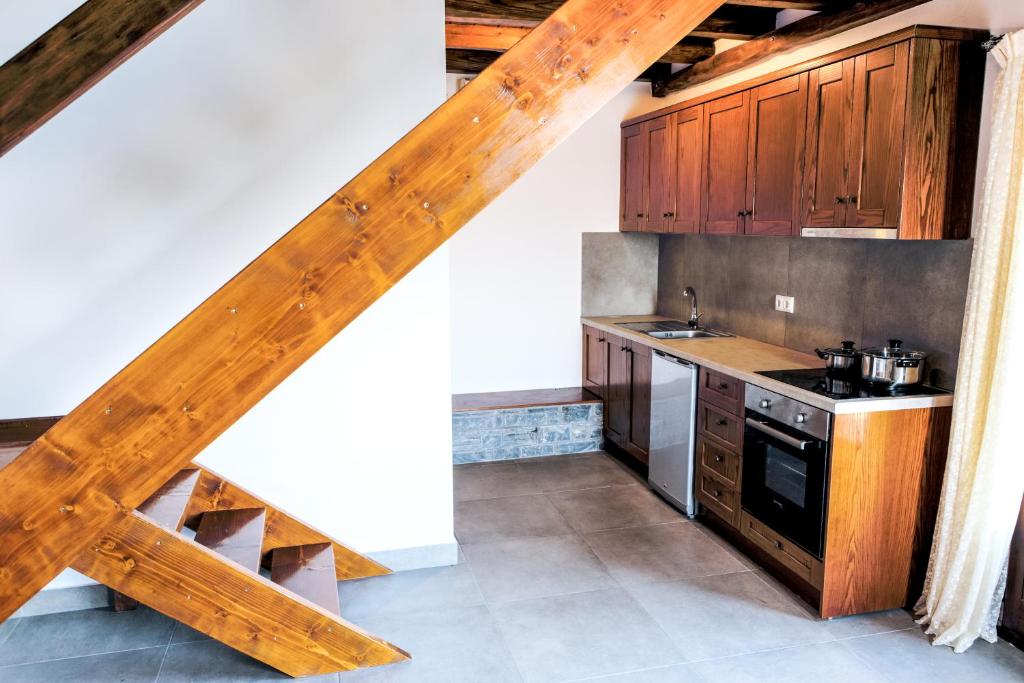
{"x": 893, "y": 349}
{"x": 847, "y": 349}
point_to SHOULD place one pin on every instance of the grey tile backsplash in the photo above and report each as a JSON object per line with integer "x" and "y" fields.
{"x": 865, "y": 290}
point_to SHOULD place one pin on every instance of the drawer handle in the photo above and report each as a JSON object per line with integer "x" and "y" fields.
{"x": 716, "y": 493}
{"x": 723, "y": 385}
{"x": 719, "y": 458}
{"x": 778, "y": 544}
{"x": 721, "y": 422}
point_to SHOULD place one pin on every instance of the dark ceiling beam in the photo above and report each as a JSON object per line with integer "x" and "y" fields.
{"x": 73, "y": 56}
{"x": 729, "y": 21}
{"x": 816, "y": 5}
{"x": 836, "y": 19}
{"x": 469, "y": 35}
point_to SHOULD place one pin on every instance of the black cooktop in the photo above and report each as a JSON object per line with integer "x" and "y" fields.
{"x": 840, "y": 386}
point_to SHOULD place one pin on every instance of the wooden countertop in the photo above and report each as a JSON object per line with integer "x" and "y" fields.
{"x": 743, "y": 358}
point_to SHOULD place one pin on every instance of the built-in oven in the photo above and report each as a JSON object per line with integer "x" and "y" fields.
{"x": 785, "y": 466}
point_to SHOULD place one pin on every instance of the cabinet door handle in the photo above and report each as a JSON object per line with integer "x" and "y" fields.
{"x": 669, "y": 215}
{"x": 723, "y": 385}
{"x": 600, "y": 340}
{"x": 639, "y": 215}
{"x": 716, "y": 493}
{"x": 722, "y": 422}
{"x": 778, "y": 544}
{"x": 719, "y": 458}
{"x": 741, "y": 213}
{"x": 840, "y": 200}
{"x": 852, "y": 199}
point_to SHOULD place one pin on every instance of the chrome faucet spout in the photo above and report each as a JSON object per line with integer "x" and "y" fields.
{"x": 690, "y": 294}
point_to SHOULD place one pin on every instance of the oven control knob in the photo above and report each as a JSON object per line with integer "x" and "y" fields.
{"x": 800, "y": 418}
{"x": 765, "y": 403}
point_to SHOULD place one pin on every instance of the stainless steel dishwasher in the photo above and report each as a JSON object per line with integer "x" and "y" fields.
{"x": 673, "y": 422}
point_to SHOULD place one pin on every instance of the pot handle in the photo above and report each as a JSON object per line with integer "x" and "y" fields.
{"x": 821, "y": 354}
{"x": 908, "y": 362}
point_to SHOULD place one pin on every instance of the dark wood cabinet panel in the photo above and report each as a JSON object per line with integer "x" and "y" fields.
{"x": 687, "y": 176}
{"x": 595, "y": 361}
{"x": 724, "y": 426}
{"x": 776, "y": 143}
{"x": 659, "y": 195}
{"x": 639, "y": 442}
{"x": 879, "y": 103}
{"x": 633, "y": 171}
{"x": 725, "y": 164}
{"x": 829, "y": 110}
{"x": 721, "y": 390}
{"x": 617, "y": 408}
{"x": 1013, "y": 599}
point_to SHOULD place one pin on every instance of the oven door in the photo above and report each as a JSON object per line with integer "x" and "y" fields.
{"x": 784, "y": 480}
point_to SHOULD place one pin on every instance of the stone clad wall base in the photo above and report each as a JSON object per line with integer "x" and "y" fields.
{"x": 510, "y": 433}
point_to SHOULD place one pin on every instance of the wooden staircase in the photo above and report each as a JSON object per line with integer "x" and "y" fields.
{"x": 79, "y": 495}
{"x": 217, "y": 558}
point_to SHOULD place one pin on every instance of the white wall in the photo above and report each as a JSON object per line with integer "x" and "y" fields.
{"x": 516, "y": 267}
{"x": 130, "y": 207}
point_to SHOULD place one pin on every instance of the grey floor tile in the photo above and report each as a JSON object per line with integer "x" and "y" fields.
{"x": 730, "y": 614}
{"x": 499, "y": 519}
{"x": 727, "y": 546}
{"x": 480, "y": 481}
{"x": 676, "y": 673}
{"x": 535, "y": 567}
{"x": 88, "y": 632}
{"x": 409, "y": 591}
{"x": 589, "y": 470}
{"x": 908, "y": 657}
{"x": 582, "y": 635}
{"x": 211, "y": 662}
{"x": 133, "y": 666}
{"x": 820, "y": 662}
{"x": 450, "y": 646}
{"x": 6, "y": 629}
{"x": 186, "y": 634}
{"x": 869, "y": 624}
{"x": 662, "y": 552}
{"x": 614, "y": 507}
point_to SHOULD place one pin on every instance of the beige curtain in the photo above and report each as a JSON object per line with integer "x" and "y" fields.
{"x": 984, "y": 479}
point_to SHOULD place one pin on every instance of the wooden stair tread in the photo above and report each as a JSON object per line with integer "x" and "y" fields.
{"x": 308, "y": 570}
{"x": 167, "y": 506}
{"x": 235, "y": 534}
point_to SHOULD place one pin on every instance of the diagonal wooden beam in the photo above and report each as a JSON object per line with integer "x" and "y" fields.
{"x": 127, "y": 439}
{"x": 198, "y": 587}
{"x": 73, "y": 56}
{"x": 465, "y": 36}
{"x": 836, "y": 18}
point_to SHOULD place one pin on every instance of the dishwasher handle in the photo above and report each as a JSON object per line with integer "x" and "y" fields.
{"x": 673, "y": 359}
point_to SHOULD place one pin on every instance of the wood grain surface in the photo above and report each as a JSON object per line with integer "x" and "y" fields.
{"x": 73, "y": 56}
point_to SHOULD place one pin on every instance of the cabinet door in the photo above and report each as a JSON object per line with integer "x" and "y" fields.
{"x": 1013, "y": 599}
{"x": 725, "y": 164}
{"x": 879, "y": 99}
{"x": 660, "y": 198}
{"x": 829, "y": 108}
{"x": 776, "y": 141}
{"x": 595, "y": 360}
{"x": 617, "y": 408}
{"x": 634, "y": 168}
{"x": 687, "y": 176}
{"x": 640, "y": 402}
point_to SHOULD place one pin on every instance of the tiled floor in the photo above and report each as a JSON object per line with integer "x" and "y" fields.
{"x": 572, "y": 570}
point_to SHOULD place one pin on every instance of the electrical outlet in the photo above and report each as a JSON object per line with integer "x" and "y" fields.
{"x": 784, "y": 303}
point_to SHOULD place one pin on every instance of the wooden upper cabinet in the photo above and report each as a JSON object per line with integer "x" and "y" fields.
{"x": 879, "y": 102}
{"x": 774, "y": 156}
{"x": 687, "y": 175}
{"x": 659, "y": 192}
{"x": 633, "y": 171}
{"x": 725, "y": 164}
{"x": 829, "y": 109}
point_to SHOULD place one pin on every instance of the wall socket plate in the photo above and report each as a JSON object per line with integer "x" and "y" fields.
{"x": 784, "y": 303}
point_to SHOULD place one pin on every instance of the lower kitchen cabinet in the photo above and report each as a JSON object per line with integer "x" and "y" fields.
{"x": 619, "y": 371}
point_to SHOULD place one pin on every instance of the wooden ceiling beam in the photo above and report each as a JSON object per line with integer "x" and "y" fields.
{"x": 73, "y": 56}
{"x": 836, "y": 19}
{"x": 463, "y": 38}
{"x": 142, "y": 426}
{"x": 734, "y": 21}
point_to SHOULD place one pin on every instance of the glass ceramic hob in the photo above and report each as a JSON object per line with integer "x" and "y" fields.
{"x": 845, "y": 385}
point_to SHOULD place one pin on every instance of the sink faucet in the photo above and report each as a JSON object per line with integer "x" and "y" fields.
{"x": 688, "y": 293}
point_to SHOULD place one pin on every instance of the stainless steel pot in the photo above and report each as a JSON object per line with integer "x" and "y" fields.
{"x": 892, "y": 365}
{"x": 844, "y": 358}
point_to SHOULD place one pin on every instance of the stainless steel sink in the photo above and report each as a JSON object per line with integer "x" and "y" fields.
{"x": 673, "y": 329}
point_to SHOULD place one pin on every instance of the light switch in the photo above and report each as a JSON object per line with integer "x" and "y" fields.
{"x": 785, "y": 304}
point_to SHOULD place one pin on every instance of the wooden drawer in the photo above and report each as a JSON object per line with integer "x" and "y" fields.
{"x": 787, "y": 553}
{"x": 719, "y": 497}
{"x": 716, "y": 422}
{"x": 722, "y": 461}
{"x": 722, "y": 390}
